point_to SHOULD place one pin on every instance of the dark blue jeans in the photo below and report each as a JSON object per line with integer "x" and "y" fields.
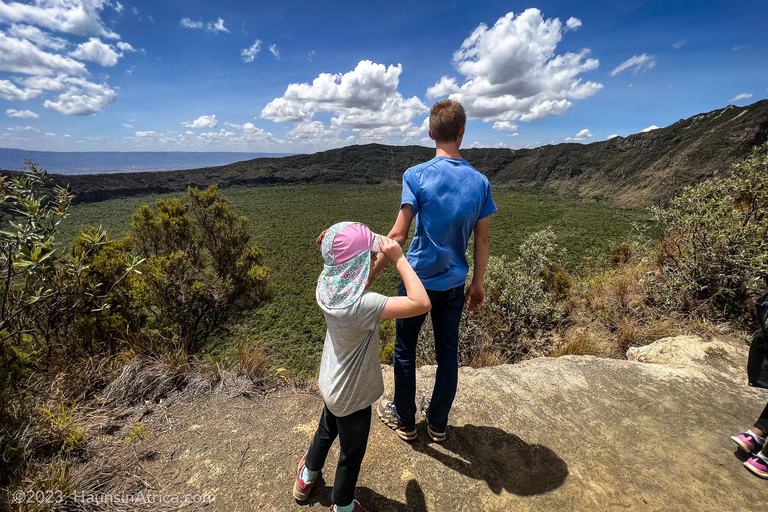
{"x": 446, "y": 313}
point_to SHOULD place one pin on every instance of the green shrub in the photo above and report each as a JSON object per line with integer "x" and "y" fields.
{"x": 713, "y": 251}
{"x": 199, "y": 268}
{"x": 523, "y": 298}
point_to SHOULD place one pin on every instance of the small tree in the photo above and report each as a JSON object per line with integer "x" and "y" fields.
{"x": 39, "y": 287}
{"x": 200, "y": 266}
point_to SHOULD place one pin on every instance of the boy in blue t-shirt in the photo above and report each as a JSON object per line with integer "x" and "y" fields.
{"x": 450, "y": 201}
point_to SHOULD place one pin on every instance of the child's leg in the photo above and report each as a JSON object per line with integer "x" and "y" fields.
{"x": 353, "y": 440}
{"x": 762, "y": 422}
{"x": 326, "y": 432}
{"x": 406, "y": 336}
{"x": 446, "y": 315}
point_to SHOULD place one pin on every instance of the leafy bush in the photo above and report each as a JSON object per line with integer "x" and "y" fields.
{"x": 199, "y": 266}
{"x": 523, "y": 298}
{"x": 713, "y": 251}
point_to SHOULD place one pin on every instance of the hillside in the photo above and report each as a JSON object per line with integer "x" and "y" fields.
{"x": 632, "y": 171}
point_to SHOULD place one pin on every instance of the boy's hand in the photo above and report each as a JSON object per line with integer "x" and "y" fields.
{"x": 390, "y": 249}
{"x": 475, "y": 296}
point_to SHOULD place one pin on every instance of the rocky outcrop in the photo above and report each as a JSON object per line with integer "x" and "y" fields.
{"x": 568, "y": 433}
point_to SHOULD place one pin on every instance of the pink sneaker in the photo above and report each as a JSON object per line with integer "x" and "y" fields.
{"x": 301, "y": 489}
{"x": 748, "y": 442}
{"x": 358, "y": 507}
{"x": 758, "y": 464}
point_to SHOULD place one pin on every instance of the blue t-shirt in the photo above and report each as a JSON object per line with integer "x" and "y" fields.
{"x": 448, "y": 197}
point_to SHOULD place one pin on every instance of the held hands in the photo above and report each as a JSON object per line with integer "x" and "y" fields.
{"x": 475, "y": 296}
{"x": 390, "y": 249}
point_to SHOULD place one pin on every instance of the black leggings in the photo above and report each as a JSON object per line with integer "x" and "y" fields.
{"x": 762, "y": 421}
{"x": 352, "y": 431}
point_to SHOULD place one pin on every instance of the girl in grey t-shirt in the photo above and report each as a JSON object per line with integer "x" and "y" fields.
{"x": 350, "y": 375}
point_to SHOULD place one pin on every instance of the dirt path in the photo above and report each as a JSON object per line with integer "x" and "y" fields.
{"x": 572, "y": 433}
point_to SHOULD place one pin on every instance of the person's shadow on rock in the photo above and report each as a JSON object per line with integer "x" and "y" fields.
{"x": 502, "y": 459}
{"x": 371, "y": 500}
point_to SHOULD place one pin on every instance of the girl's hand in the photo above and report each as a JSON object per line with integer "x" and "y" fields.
{"x": 390, "y": 249}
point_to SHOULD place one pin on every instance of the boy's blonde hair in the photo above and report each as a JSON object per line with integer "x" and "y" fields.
{"x": 446, "y": 119}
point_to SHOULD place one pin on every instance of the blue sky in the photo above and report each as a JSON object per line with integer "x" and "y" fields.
{"x": 92, "y": 75}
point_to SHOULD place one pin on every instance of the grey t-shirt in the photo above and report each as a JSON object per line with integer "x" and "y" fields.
{"x": 350, "y": 371}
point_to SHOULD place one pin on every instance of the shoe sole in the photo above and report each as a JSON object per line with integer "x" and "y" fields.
{"x": 297, "y": 495}
{"x": 437, "y": 437}
{"x": 405, "y": 436}
{"x": 743, "y": 447}
{"x": 755, "y": 471}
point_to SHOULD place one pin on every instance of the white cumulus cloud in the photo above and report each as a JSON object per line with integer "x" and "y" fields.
{"x": 511, "y": 71}
{"x": 9, "y": 91}
{"x": 202, "y": 122}
{"x": 579, "y": 137}
{"x": 78, "y": 17}
{"x": 364, "y": 100}
{"x": 641, "y": 63}
{"x": 612, "y": 136}
{"x": 650, "y": 128}
{"x": 98, "y": 52}
{"x": 27, "y": 114}
{"x": 505, "y": 125}
{"x": 82, "y": 98}
{"x": 21, "y": 56}
{"x": 478, "y": 144}
{"x": 37, "y": 37}
{"x": 249, "y": 54}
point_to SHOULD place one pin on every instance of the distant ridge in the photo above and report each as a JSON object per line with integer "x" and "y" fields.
{"x": 91, "y": 162}
{"x": 630, "y": 171}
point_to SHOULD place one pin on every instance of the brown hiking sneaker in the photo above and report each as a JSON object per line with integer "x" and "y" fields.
{"x": 388, "y": 414}
{"x": 437, "y": 437}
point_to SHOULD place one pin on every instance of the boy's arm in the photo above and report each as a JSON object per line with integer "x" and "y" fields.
{"x": 399, "y": 233}
{"x": 416, "y": 302}
{"x": 475, "y": 294}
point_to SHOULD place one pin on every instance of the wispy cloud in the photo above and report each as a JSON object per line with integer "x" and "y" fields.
{"x": 217, "y": 26}
{"x": 249, "y": 54}
{"x": 741, "y": 47}
{"x": 742, "y": 96}
{"x": 211, "y": 26}
{"x": 188, "y": 23}
{"x": 27, "y": 114}
{"x": 679, "y": 44}
{"x": 641, "y": 63}
{"x": 275, "y": 51}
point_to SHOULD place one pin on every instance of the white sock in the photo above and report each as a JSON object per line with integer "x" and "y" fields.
{"x": 760, "y": 440}
{"x": 307, "y": 475}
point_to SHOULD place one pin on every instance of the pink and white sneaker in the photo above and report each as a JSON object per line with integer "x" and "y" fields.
{"x": 749, "y": 442}
{"x": 358, "y": 507}
{"x": 301, "y": 489}
{"x": 758, "y": 465}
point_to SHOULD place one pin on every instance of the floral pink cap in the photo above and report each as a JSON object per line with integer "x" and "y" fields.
{"x": 346, "y": 249}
